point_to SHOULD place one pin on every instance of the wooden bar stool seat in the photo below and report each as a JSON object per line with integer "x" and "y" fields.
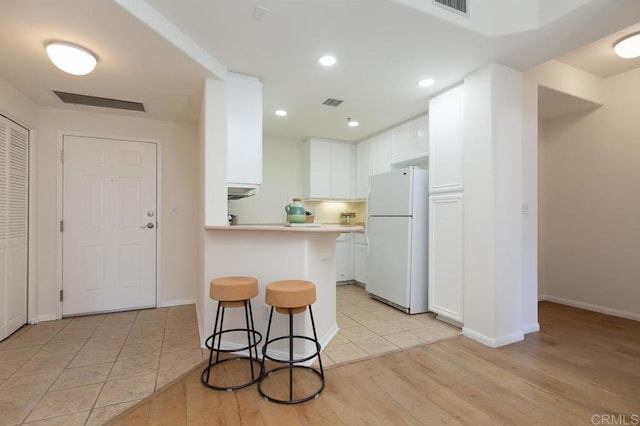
{"x": 232, "y": 292}
{"x": 290, "y": 297}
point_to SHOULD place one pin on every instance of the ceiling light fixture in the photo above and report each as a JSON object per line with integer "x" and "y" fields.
{"x": 327, "y": 61}
{"x": 70, "y": 58}
{"x": 281, "y": 113}
{"x": 628, "y": 47}
{"x": 352, "y": 123}
{"x": 426, "y": 82}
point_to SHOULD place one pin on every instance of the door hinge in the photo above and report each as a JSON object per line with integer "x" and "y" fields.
{"x": 61, "y": 295}
{"x": 62, "y": 226}
{"x": 62, "y": 156}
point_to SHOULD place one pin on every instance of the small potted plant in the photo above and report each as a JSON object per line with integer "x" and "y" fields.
{"x": 309, "y": 218}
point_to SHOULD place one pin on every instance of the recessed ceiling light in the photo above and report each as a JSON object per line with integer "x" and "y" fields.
{"x": 426, "y": 82}
{"x": 352, "y": 123}
{"x": 281, "y": 113}
{"x": 70, "y": 58}
{"x": 327, "y": 61}
{"x": 628, "y": 47}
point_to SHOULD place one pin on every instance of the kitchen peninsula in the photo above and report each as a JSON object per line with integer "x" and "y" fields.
{"x": 272, "y": 253}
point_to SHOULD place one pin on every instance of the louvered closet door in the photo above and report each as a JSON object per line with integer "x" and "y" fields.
{"x": 14, "y": 195}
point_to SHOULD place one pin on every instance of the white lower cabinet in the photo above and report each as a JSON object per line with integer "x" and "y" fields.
{"x": 446, "y": 255}
{"x": 344, "y": 260}
{"x": 360, "y": 258}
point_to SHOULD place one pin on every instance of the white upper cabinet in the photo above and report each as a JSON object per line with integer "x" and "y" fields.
{"x": 381, "y": 156}
{"x": 342, "y": 170}
{"x": 330, "y": 169}
{"x": 363, "y": 168}
{"x": 410, "y": 140}
{"x": 402, "y": 142}
{"x": 318, "y": 158}
{"x": 244, "y": 130}
{"x": 421, "y": 141}
{"x": 445, "y": 141}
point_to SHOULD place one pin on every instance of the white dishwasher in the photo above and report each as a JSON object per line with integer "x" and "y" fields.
{"x": 344, "y": 262}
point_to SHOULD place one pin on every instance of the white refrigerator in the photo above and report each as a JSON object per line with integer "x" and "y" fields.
{"x": 397, "y": 227}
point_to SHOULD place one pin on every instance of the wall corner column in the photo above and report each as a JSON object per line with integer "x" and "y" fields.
{"x": 493, "y": 202}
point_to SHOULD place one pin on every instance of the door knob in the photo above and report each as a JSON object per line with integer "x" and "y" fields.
{"x": 149, "y": 225}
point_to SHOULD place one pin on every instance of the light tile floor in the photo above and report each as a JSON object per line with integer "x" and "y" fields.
{"x": 368, "y": 327}
{"x": 86, "y": 370}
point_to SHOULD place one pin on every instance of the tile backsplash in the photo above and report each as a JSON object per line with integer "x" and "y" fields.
{"x": 329, "y": 211}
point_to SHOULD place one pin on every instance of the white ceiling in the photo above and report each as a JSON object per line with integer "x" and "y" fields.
{"x": 134, "y": 63}
{"x": 598, "y": 58}
{"x": 383, "y": 48}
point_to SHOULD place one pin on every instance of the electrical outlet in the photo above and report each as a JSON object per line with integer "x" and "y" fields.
{"x": 265, "y": 312}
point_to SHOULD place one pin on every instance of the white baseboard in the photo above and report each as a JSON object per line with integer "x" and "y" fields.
{"x": 168, "y": 303}
{"x": 41, "y": 318}
{"x": 531, "y": 328}
{"x": 493, "y": 342}
{"x": 590, "y": 307}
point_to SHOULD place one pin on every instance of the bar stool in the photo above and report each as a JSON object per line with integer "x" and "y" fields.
{"x": 232, "y": 292}
{"x": 290, "y": 297}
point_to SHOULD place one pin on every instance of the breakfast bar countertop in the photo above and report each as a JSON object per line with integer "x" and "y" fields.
{"x": 284, "y": 228}
{"x": 274, "y": 252}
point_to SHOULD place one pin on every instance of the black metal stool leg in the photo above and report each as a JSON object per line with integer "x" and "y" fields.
{"x": 246, "y": 319}
{"x": 291, "y": 363}
{"x": 213, "y": 337}
{"x": 315, "y": 337}
{"x": 266, "y": 341}
{"x": 253, "y": 338}
{"x": 290, "y": 354}
{"x": 253, "y": 327}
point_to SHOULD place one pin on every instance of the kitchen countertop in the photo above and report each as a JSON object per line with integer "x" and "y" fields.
{"x": 273, "y": 252}
{"x": 283, "y": 228}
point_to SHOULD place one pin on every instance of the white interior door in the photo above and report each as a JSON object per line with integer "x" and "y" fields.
{"x": 109, "y": 225}
{"x": 14, "y": 195}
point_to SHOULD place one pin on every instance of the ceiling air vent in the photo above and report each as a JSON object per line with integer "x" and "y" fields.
{"x": 77, "y": 99}
{"x": 457, "y": 6}
{"x": 332, "y": 102}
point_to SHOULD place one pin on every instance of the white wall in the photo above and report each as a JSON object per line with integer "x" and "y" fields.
{"x": 590, "y": 186}
{"x": 16, "y": 106}
{"x": 213, "y": 130}
{"x": 542, "y": 208}
{"x": 282, "y": 178}
{"x": 530, "y": 279}
{"x": 493, "y": 298}
{"x": 567, "y": 79}
{"x": 180, "y": 188}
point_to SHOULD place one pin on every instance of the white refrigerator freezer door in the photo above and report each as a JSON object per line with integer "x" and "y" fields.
{"x": 388, "y": 265}
{"x": 391, "y": 194}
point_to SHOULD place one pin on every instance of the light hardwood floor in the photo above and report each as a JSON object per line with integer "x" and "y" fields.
{"x": 581, "y": 366}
